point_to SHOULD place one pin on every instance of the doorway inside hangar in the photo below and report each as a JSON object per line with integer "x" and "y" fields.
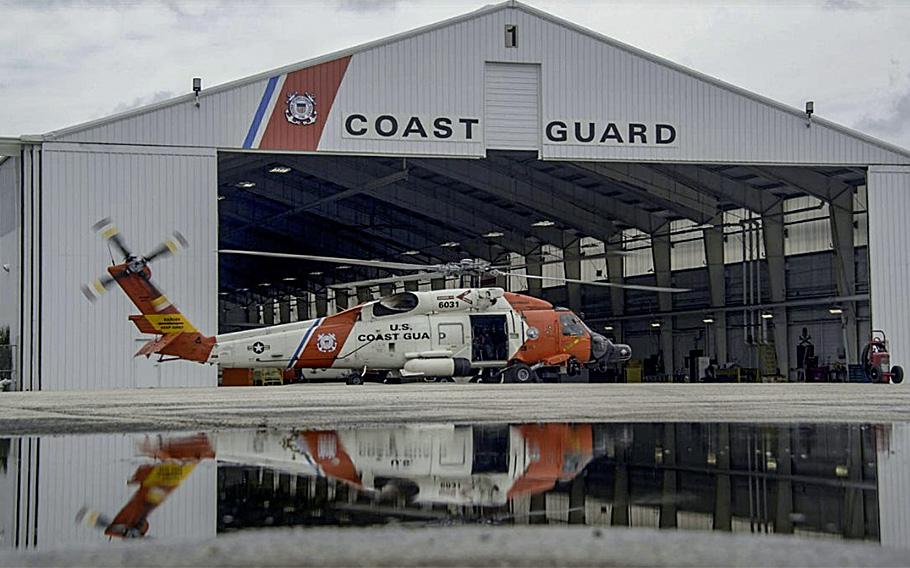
{"x": 774, "y": 258}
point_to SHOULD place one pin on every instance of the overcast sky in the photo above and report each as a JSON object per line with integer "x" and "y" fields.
{"x": 64, "y": 62}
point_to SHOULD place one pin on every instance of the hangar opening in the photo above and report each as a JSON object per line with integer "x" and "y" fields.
{"x": 774, "y": 257}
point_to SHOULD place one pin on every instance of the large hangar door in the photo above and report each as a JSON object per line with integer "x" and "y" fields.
{"x": 149, "y": 192}
{"x": 889, "y": 256}
{"x": 512, "y": 106}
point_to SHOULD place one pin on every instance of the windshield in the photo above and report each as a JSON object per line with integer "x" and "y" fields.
{"x": 571, "y": 325}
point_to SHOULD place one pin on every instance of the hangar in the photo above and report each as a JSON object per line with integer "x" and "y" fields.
{"x": 505, "y": 134}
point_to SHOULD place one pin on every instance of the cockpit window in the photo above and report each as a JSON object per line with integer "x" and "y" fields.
{"x": 395, "y": 304}
{"x": 571, "y": 325}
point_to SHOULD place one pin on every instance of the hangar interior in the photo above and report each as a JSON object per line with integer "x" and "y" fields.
{"x": 796, "y": 236}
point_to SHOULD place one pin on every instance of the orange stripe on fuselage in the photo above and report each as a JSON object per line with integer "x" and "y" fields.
{"x": 328, "y": 340}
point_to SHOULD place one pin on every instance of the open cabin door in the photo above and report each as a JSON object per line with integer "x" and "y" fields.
{"x": 489, "y": 338}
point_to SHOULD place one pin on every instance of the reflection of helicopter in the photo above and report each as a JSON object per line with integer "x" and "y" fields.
{"x": 463, "y": 465}
{"x": 442, "y": 333}
{"x": 178, "y": 458}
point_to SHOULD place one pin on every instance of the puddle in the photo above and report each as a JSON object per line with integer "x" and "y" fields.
{"x": 846, "y": 482}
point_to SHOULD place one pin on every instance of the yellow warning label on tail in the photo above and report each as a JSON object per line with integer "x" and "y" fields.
{"x": 170, "y": 323}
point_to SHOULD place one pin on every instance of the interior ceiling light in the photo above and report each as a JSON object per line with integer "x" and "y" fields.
{"x": 835, "y": 310}
{"x": 543, "y": 223}
{"x": 316, "y": 273}
{"x": 449, "y": 244}
{"x": 222, "y": 293}
{"x": 246, "y": 184}
{"x": 608, "y": 328}
{"x": 265, "y": 283}
{"x": 221, "y": 198}
{"x": 279, "y": 169}
{"x": 708, "y": 319}
{"x": 411, "y": 252}
{"x": 242, "y": 290}
{"x": 493, "y": 234}
{"x": 655, "y": 323}
{"x": 289, "y": 279}
{"x": 767, "y": 315}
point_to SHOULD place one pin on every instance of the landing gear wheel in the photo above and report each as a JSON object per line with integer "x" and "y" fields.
{"x": 897, "y": 375}
{"x": 354, "y": 380}
{"x": 520, "y": 373}
{"x": 445, "y": 380}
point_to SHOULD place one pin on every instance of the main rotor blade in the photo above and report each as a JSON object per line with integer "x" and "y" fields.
{"x": 169, "y": 247}
{"x": 390, "y": 280}
{"x": 96, "y": 289}
{"x": 604, "y": 284}
{"x": 598, "y": 256}
{"x": 335, "y": 259}
{"x": 111, "y": 233}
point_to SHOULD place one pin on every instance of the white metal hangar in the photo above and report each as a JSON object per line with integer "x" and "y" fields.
{"x": 503, "y": 134}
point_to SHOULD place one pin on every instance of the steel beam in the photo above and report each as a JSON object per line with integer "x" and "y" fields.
{"x": 714, "y": 255}
{"x": 841, "y": 217}
{"x": 773, "y": 231}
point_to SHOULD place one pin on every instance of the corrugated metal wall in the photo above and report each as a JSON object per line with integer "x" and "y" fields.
{"x": 10, "y": 265}
{"x": 512, "y": 106}
{"x": 888, "y": 191}
{"x": 894, "y": 485}
{"x": 440, "y": 72}
{"x": 149, "y": 192}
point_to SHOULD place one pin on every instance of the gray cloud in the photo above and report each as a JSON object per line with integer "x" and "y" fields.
{"x": 848, "y": 5}
{"x": 142, "y": 101}
{"x": 368, "y": 5}
{"x": 894, "y": 123}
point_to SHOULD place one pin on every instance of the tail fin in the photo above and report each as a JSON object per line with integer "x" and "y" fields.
{"x": 159, "y": 316}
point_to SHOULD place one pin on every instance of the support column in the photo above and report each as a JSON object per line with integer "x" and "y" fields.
{"x": 773, "y": 230}
{"x": 714, "y": 256}
{"x": 723, "y": 494}
{"x": 364, "y": 294}
{"x": 841, "y": 215}
{"x": 571, "y": 254}
{"x": 322, "y": 303}
{"x": 341, "y": 299}
{"x": 252, "y": 314}
{"x": 616, "y": 274}
{"x": 668, "y": 502}
{"x": 577, "y": 500}
{"x": 284, "y": 310}
{"x": 386, "y": 289}
{"x": 268, "y": 312}
{"x": 534, "y": 267}
{"x": 660, "y": 251}
{"x": 538, "y": 510}
{"x": 303, "y": 307}
{"x": 783, "y": 518}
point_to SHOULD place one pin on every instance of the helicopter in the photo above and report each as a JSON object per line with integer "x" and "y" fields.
{"x": 486, "y": 333}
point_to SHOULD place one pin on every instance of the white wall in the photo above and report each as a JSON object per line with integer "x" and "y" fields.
{"x": 889, "y": 256}
{"x": 9, "y": 247}
{"x": 149, "y": 192}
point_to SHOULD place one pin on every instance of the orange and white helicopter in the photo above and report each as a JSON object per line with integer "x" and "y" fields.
{"x": 481, "y": 332}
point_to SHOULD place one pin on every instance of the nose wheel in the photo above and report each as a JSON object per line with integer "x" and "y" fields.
{"x": 520, "y": 373}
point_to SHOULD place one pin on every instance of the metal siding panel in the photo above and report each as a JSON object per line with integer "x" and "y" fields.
{"x": 439, "y": 72}
{"x": 888, "y": 195}
{"x": 10, "y": 233}
{"x": 512, "y": 106}
{"x": 90, "y": 346}
{"x": 894, "y": 484}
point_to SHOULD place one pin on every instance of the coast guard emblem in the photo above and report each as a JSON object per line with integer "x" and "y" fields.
{"x": 326, "y": 342}
{"x": 301, "y": 108}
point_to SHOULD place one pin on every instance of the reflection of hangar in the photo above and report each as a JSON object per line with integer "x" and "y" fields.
{"x": 505, "y": 134}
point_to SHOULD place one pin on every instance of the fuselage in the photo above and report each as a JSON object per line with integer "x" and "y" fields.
{"x": 435, "y": 333}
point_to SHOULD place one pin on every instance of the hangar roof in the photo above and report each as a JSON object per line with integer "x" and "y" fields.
{"x": 224, "y": 118}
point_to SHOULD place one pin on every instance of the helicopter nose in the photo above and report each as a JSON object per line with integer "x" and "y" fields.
{"x": 599, "y": 346}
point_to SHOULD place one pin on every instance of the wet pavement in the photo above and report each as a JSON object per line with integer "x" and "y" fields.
{"x": 839, "y": 491}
